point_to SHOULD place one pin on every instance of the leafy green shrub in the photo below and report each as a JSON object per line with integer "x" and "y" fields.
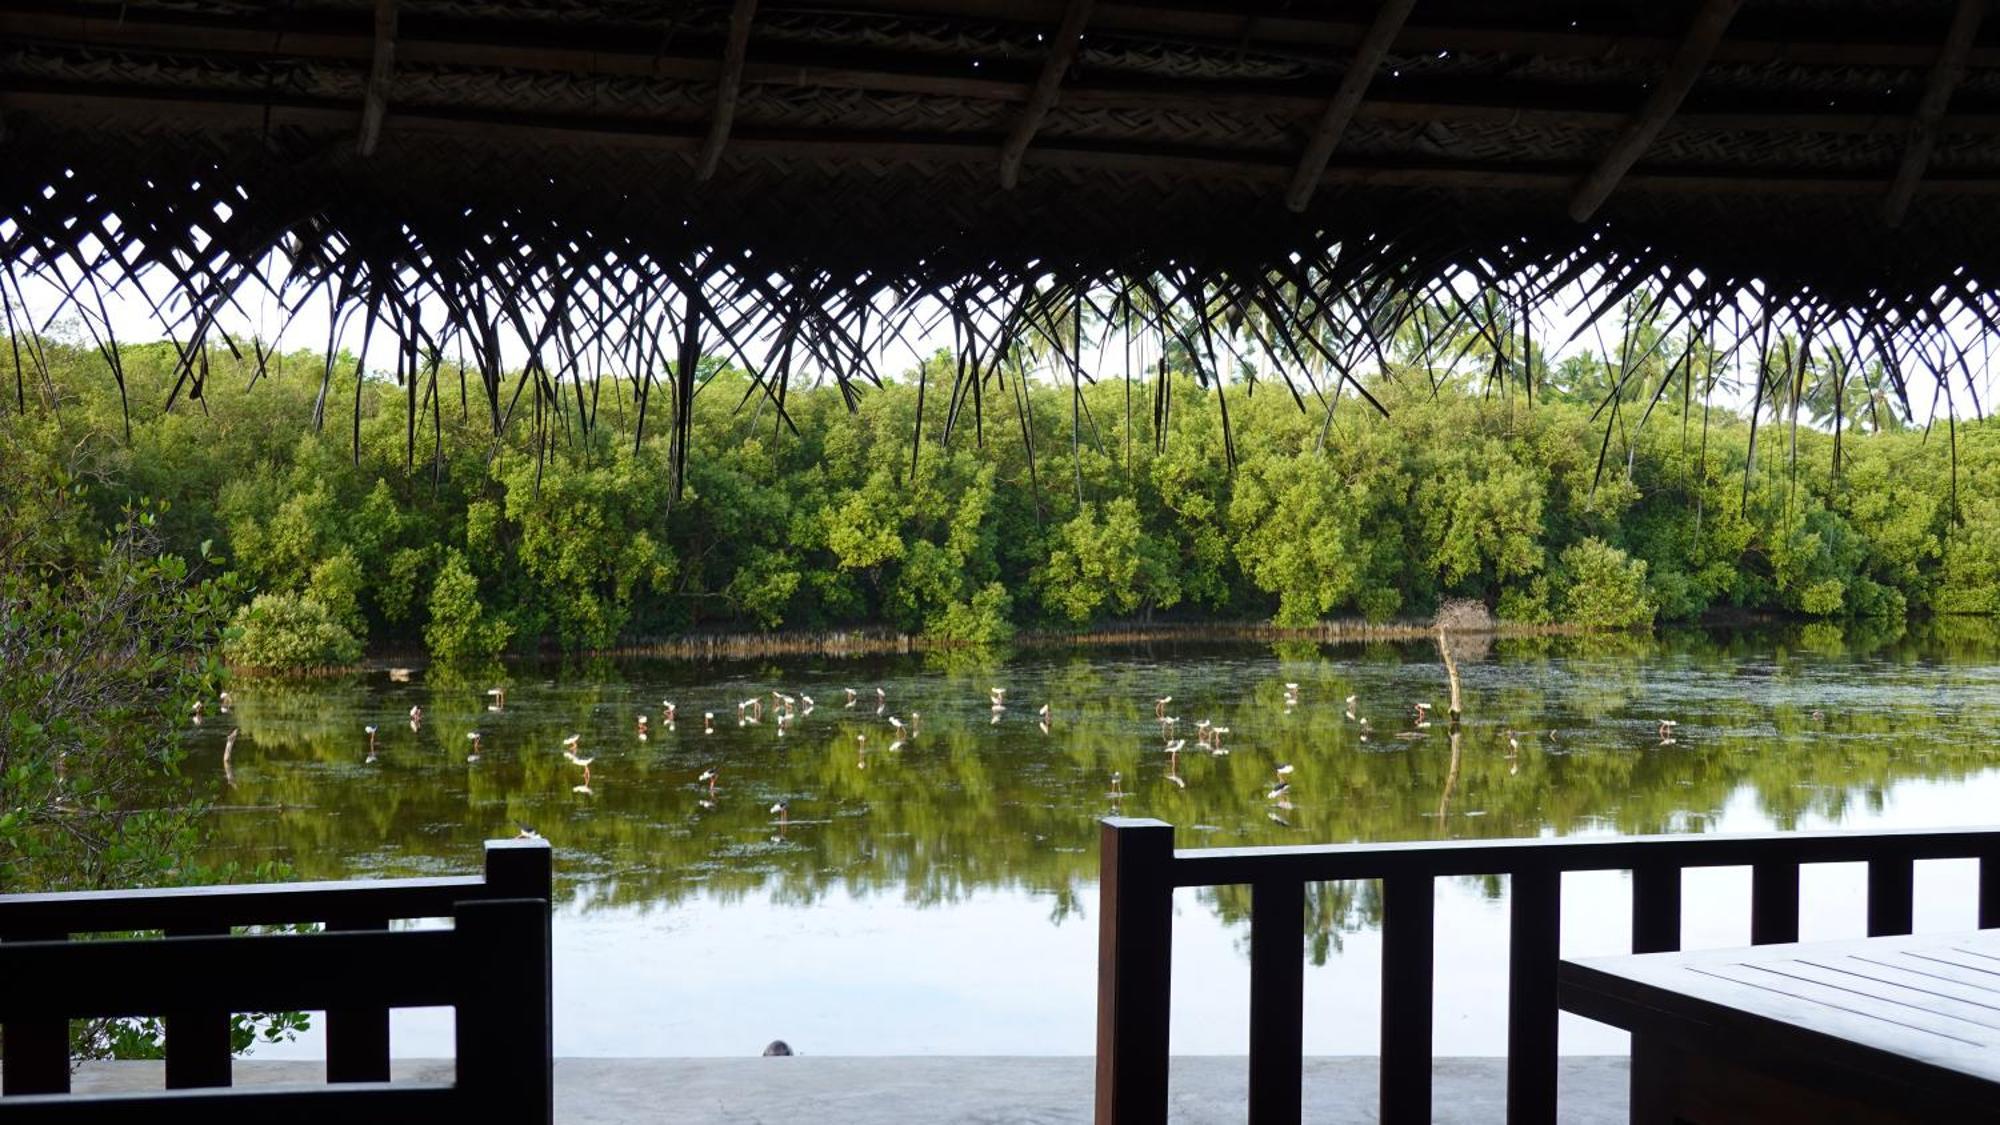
{"x": 288, "y": 633}
{"x": 460, "y": 629}
{"x": 1603, "y": 587}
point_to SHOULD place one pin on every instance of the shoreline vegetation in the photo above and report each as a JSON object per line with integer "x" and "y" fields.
{"x": 1573, "y": 497}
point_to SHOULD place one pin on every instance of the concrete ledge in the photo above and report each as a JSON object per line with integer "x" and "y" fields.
{"x": 951, "y": 1091}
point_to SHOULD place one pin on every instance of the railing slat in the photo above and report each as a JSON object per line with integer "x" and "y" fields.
{"x": 503, "y": 1023}
{"x": 1891, "y": 896}
{"x": 1656, "y": 908}
{"x": 1774, "y": 902}
{"x": 1277, "y": 999}
{"x": 37, "y": 1051}
{"x": 1534, "y": 933}
{"x": 1134, "y": 970}
{"x": 357, "y": 1038}
{"x": 1989, "y": 890}
{"x": 1409, "y": 915}
{"x": 198, "y": 1053}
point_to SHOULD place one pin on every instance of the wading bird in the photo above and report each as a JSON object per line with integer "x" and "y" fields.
{"x": 710, "y": 776}
{"x": 708, "y": 722}
{"x": 1667, "y": 731}
{"x": 667, "y": 711}
{"x": 642, "y": 726}
{"x": 225, "y": 701}
{"x": 1160, "y": 706}
{"x": 852, "y": 695}
{"x": 473, "y": 737}
{"x": 499, "y": 697}
{"x": 783, "y": 811}
{"x": 881, "y": 701}
{"x": 194, "y": 712}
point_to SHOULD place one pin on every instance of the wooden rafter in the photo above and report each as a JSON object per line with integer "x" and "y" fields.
{"x": 229, "y": 112}
{"x": 728, "y": 85}
{"x": 1042, "y": 96}
{"x": 1709, "y": 24}
{"x": 1945, "y": 76}
{"x": 1346, "y": 99}
{"x": 381, "y": 71}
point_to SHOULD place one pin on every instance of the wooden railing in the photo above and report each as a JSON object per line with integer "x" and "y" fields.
{"x": 1140, "y": 870}
{"x": 492, "y": 967}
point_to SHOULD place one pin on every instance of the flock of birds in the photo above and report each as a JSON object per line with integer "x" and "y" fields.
{"x": 786, "y": 710}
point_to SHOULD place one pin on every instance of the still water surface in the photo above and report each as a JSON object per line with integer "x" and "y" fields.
{"x": 936, "y": 893}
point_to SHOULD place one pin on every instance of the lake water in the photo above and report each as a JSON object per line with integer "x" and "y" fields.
{"x": 935, "y": 894}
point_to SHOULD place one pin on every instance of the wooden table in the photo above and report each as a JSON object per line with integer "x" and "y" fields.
{"x": 1894, "y": 1029}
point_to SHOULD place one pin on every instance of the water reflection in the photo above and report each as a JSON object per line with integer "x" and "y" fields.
{"x": 928, "y": 781}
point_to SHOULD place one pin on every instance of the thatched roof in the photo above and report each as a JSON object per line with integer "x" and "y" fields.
{"x": 569, "y": 172}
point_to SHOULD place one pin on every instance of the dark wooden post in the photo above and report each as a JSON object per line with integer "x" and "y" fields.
{"x": 1277, "y": 1000}
{"x": 1891, "y": 895}
{"x": 1409, "y": 913}
{"x": 1134, "y": 969}
{"x": 198, "y": 1053}
{"x": 1534, "y": 933}
{"x": 36, "y": 1052}
{"x": 503, "y": 1020}
{"x": 357, "y": 1039}
{"x": 1989, "y": 890}
{"x": 1774, "y": 902}
{"x": 1656, "y": 909}
{"x": 524, "y": 869}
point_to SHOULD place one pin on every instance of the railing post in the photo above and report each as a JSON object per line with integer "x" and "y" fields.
{"x": 1891, "y": 895}
{"x": 36, "y": 1052}
{"x": 357, "y": 1039}
{"x": 503, "y": 1019}
{"x": 1656, "y": 908}
{"x": 1409, "y": 913}
{"x": 1534, "y": 945}
{"x": 1277, "y": 1000}
{"x": 1774, "y": 902}
{"x": 1134, "y": 970}
{"x": 198, "y": 1054}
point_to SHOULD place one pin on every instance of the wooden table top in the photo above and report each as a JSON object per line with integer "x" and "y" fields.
{"x": 1919, "y": 1011}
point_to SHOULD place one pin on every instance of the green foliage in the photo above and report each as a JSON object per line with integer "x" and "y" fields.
{"x": 1603, "y": 587}
{"x": 460, "y": 629}
{"x": 869, "y": 512}
{"x": 288, "y": 633}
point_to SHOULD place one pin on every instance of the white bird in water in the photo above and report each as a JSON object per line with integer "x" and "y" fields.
{"x": 852, "y": 696}
{"x": 881, "y": 701}
{"x": 1351, "y": 716}
{"x": 708, "y": 722}
{"x": 225, "y": 701}
{"x": 667, "y": 710}
{"x": 999, "y": 695}
{"x": 399, "y": 675}
{"x": 1044, "y": 713}
{"x": 1667, "y": 731}
{"x": 1117, "y": 785}
{"x": 1160, "y": 706}
{"x": 473, "y": 737}
{"x": 1513, "y": 741}
{"x": 570, "y": 744}
{"x": 710, "y": 776}
{"x": 1174, "y": 747}
{"x": 1423, "y": 711}
{"x": 1215, "y": 740}
{"x": 416, "y": 714}
{"x": 1284, "y": 771}
{"x": 642, "y": 726}
{"x": 783, "y": 811}
{"x": 370, "y": 728}
{"x": 896, "y": 722}
{"x": 1278, "y": 791}
{"x": 195, "y": 711}
{"x": 499, "y": 696}
{"x": 1201, "y": 730}
{"x": 1291, "y": 695}
{"x": 808, "y": 701}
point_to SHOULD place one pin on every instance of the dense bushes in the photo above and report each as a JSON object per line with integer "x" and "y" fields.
{"x": 830, "y": 517}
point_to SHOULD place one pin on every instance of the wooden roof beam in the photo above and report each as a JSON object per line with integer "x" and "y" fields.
{"x": 1368, "y": 55}
{"x": 381, "y": 71}
{"x": 1709, "y": 23}
{"x": 1042, "y": 95}
{"x": 729, "y": 85}
{"x": 1945, "y": 76}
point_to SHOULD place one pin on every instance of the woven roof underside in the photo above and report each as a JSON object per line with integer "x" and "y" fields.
{"x": 552, "y": 148}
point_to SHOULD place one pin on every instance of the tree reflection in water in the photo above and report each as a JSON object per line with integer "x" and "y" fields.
{"x": 964, "y": 803}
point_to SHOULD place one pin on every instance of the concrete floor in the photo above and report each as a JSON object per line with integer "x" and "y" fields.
{"x": 952, "y": 1091}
